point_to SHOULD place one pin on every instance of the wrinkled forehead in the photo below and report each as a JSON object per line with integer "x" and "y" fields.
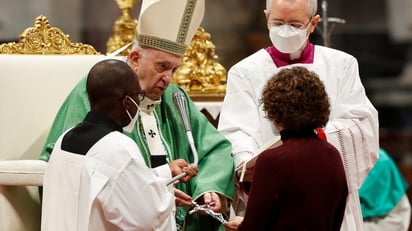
{"x": 289, "y": 9}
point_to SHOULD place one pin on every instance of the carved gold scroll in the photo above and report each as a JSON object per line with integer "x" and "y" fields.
{"x": 43, "y": 39}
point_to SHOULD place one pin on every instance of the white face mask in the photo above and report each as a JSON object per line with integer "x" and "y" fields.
{"x": 287, "y": 39}
{"x": 129, "y": 128}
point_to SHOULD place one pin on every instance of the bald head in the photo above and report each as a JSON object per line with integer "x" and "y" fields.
{"x": 108, "y": 81}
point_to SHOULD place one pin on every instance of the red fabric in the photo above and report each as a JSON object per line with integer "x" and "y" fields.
{"x": 282, "y": 59}
{"x": 321, "y": 133}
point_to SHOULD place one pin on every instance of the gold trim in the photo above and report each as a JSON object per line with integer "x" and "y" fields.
{"x": 45, "y": 40}
{"x": 161, "y": 44}
{"x": 185, "y": 23}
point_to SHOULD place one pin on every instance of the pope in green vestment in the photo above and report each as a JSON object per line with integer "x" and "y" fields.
{"x": 216, "y": 167}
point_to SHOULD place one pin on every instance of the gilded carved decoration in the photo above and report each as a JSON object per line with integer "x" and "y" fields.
{"x": 200, "y": 74}
{"x": 124, "y": 29}
{"x": 44, "y": 39}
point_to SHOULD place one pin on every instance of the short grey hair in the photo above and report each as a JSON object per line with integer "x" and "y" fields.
{"x": 136, "y": 47}
{"x": 312, "y": 6}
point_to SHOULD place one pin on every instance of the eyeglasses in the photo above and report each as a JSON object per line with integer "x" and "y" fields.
{"x": 298, "y": 25}
{"x": 140, "y": 95}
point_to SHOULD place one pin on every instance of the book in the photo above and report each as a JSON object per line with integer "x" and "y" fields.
{"x": 252, "y": 161}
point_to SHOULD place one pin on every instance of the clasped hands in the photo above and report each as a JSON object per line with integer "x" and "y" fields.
{"x": 181, "y": 166}
{"x": 182, "y": 199}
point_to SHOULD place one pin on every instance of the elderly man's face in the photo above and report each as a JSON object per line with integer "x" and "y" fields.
{"x": 155, "y": 69}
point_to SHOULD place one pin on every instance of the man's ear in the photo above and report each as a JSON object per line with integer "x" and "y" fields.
{"x": 266, "y": 12}
{"x": 314, "y": 22}
{"x": 126, "y": 102}
{"x": 133, "y": 59}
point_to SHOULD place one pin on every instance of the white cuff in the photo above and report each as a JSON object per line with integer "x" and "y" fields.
{"x": 163, "y": 171}
{"x": 241, "y": 157}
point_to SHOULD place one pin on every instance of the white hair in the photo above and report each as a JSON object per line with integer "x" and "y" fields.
{"x": 136, "y": 47}
{"x": 312, "y": 6}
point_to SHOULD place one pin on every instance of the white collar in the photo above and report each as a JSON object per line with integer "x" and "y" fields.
{"x": 147, "y": 105}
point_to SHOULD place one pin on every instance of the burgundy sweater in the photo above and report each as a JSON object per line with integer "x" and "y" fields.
{"x": 300, "y": 185}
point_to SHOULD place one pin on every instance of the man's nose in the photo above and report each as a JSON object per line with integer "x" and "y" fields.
{"x": 168, "y": 76}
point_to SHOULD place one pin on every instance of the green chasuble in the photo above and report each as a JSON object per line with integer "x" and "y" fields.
{"x": 216, "y": 166}
{"x": 383, "y": 188}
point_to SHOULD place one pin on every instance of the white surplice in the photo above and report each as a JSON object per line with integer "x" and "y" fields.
{"x": 108, "y": 189}
{"x": 353, "y": 123}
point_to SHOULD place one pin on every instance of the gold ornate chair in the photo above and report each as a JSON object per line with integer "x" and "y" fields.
{"x": 36, "y": 74}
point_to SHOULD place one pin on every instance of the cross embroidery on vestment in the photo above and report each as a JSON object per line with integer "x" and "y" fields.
{"x": 152, "y": 133}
